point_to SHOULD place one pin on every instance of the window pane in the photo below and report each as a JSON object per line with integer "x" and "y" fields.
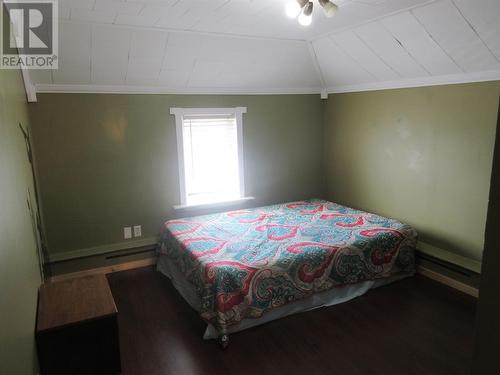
{"x": 210, "y": 158}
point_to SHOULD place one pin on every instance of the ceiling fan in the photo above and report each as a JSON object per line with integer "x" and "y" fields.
{"x": 303, "y": 10}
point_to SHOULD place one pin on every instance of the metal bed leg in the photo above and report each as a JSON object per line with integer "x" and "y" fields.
{"x": 223, "y": 341}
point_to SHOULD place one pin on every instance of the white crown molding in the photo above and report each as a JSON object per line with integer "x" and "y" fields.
{"x": 29, "y": 87}
{"x": 132, "y": 89}
{"x": 492, "y": 75}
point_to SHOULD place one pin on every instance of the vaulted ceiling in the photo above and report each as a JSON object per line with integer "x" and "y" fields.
{"x": 250, "y": 46}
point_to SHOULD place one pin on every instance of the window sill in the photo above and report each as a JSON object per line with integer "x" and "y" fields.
{"x": 191, "y": 207}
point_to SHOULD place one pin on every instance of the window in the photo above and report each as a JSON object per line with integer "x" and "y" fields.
{"x": 210, "y": 153}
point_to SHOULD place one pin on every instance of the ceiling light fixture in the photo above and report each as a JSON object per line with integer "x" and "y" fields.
{"x": 304, "y": 8}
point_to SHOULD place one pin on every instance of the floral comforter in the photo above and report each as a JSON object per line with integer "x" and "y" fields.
{"x": 244, "y": 263}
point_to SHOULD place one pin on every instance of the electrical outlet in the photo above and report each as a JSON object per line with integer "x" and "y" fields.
{"x": 137, "y": 231}
{"x": 127, "y": 233}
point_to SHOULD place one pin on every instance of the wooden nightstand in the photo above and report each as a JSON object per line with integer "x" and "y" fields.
{"x": 77, "y": 328}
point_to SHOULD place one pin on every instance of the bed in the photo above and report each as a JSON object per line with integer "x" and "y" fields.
{"x": 243, "y": 268}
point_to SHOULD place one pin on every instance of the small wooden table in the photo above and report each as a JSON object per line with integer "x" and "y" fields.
{"x": 77, "y": 328}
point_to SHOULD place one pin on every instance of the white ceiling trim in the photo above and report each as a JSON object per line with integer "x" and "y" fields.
{"x": 29, "y": 87}
{"x": 493, "y": 75}
{"x": 408, "y": 83}
{"x": 131, "y": 89}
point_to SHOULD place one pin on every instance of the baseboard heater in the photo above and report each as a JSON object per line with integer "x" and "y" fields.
{"x": 122, "y": 265}
{"x": 447, "y": 265}
{"x": 448, "y": 273}
{"x": 129, "y": 253}
{"x": 122, "y": 253}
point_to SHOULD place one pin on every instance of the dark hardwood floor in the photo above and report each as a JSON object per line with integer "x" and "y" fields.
{"x": 414, "y": 326}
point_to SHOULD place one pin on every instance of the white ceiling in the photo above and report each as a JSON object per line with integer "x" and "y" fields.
{"x": 250, "y": 46}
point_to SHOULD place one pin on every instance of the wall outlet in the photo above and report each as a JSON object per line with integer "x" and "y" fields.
{"x": 127, "y": 233}
{"x": 137, "y": 231}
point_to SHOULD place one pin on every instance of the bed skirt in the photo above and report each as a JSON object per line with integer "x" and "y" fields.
{"x": 328, "y": 298}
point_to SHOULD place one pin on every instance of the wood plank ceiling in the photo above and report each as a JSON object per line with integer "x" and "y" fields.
{"x": 250, "y": 46}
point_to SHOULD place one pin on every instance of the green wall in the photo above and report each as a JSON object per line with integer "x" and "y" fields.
{"x": 422, "y": 155}
{"x": 109, "y": 161}
{"x": 19, "y": 270}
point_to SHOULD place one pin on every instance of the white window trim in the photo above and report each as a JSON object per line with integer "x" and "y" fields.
{"x": 213, "y": 204}
{"x": 179, "y": 113}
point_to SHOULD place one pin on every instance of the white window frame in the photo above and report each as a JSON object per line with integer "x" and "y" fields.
{"x": 179, "y": 114}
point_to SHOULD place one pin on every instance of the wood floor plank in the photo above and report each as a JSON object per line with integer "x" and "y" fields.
{"x": 415, "y": 326}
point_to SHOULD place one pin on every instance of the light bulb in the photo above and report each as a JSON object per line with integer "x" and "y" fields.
{"x": 305, "y": 17}
{"x": 305, "y": 20}
{"x": 330, "y": 9}
{"x": 292, "y": 9}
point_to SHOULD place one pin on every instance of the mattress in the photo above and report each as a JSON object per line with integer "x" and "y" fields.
{"x": 239, "y": 266}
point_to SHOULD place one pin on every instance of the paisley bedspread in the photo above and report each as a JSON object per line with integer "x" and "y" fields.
{"x": 244, "y": 263}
